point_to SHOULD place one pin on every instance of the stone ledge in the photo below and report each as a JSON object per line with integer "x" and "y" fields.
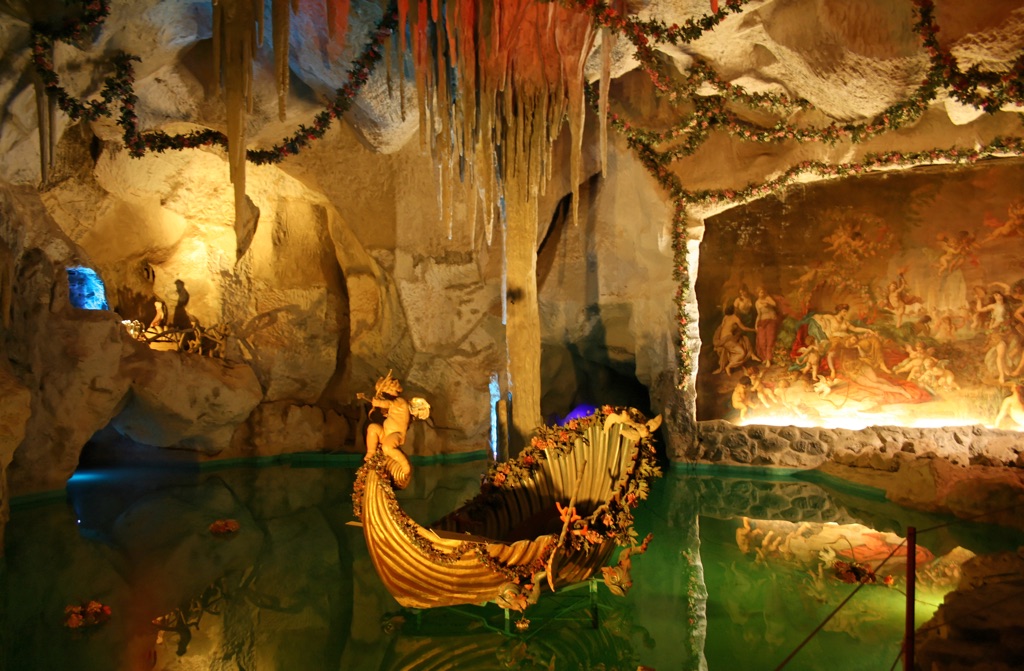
{"x": 969, "y": 471}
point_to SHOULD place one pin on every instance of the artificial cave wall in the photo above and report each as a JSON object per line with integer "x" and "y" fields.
{"x": 342, "y": 265}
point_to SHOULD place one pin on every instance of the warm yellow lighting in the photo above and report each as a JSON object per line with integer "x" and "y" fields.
{"x": 857, "y": 422}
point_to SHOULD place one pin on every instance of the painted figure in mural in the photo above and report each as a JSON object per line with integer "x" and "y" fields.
{"x": 389, "y": 436}
{"x": 807, "y": 284}
{"x": 957, "y": 252}
{"x": 897, "y": 299}
{"x": 980, "y": 315}
{"x": 730, "y": 343}
{"x": 787, "y": 393}
{"x": 1001, "y": 334}
{"x": 995, "y": 309}
{"x": 744, "y": 305}
{"x": 1018, "y": 326}
{"x": 847, "y": 243}
{"x": 835, "y": 330}
{"x": 858, "y": 360}
{"x": 935, "y": 376}
{"x": 761, "y": 391}
{"x": 1012, "y": 227}
{"x": 747, "y": 312}
{"x": 809, "y": 359}
{"x": 948, "y": 324}
{"x": 923, "y": 327}
{"x": 1012, "y": 408}
{"x": 766, "y": 325}
{"x": 914, "y": 363}
{"x": 740, "y": 398}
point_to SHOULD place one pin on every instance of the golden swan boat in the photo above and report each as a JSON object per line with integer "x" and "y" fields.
{"x": 548, "y": 518}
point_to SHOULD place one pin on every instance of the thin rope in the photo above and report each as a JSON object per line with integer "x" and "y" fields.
{"x": 899, "y": 656}
{"x": 833, "y": 613}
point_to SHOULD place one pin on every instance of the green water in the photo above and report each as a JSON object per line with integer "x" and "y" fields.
{"x": 295, "y": 588}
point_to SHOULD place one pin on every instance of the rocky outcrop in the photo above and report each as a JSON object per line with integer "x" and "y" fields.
{"x": 68, "y": 358}
{"x": 978, "y": 625}
{"x": 285, "y": 428}
{"x": 186, "y": 401}
{"x": 15, "y": 409}
{"x": 77, "y": 384}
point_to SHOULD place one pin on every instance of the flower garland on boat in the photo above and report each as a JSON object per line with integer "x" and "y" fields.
{"x": 612, "y": 520}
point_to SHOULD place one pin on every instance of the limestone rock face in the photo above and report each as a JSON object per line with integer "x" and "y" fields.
{"x": 68, "y": 358}
{"x": 283, "y": 428}
{"x": 77, "y": 383}
{"x": 186, "y": 400}
{"x": 978, "y": 625}
{"x": 597, "y": 283}
{"x": 15, "y": 409}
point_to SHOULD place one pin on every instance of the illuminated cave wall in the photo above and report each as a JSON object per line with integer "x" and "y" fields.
{"x": 929, "y": 263}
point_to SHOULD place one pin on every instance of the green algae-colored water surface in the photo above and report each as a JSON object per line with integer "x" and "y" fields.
{"x": 740, "y": 570}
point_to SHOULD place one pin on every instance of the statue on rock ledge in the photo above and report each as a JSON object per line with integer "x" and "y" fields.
{"x": 389, "y": 436}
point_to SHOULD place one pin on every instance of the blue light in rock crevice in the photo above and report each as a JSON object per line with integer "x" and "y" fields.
{"x": 86, "y": 289}
{"x": 580, "y": 412}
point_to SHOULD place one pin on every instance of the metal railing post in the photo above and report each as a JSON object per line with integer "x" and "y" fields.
{"x": 908, "y": 634}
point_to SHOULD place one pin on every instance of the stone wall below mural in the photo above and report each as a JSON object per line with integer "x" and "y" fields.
{"x": 967, "y": 471}
{"x": 881, "y": 448}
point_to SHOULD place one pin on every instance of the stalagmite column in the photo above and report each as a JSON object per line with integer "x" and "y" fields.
{"x": 522, "y": 331}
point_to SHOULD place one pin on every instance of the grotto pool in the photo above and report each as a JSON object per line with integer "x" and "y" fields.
{"x": 294, "y": 587}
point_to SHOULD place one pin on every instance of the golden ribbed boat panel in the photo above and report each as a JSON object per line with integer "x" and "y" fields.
{"x": 555, "y": 514}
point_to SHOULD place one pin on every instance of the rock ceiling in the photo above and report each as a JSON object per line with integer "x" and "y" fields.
{"x": 850, "y": 60}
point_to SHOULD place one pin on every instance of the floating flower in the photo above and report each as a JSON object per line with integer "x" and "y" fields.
{"x": 224, "y": 527}
{"x": 86, "y": 614}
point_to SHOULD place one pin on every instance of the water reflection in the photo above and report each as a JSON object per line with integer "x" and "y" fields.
{"x": 295, "y": 589}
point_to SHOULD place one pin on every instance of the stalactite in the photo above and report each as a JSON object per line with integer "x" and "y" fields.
{"x": 607, "y": 44}
{"x": 238, "y": 29}
{"x": 574, "y": 54}
{"x": 281, "y": 11}
{"x": 518, "y": 68}
{"x": 45, "y": 117}
{"x": 51, "y": 133}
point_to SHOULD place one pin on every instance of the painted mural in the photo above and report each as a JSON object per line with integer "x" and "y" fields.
{"x": 882, "y": 300}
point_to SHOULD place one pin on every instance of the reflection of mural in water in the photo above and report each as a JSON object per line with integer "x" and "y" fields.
{"x": 823, "y": 560}
{"x": 883, "y": 300}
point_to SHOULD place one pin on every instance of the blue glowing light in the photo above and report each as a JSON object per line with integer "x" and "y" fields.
{"x": 580, "y": 411}
{"x": 495, "y": 392}
{"x": 86, "y": 288}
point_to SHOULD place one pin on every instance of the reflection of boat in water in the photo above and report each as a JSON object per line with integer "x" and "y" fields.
{"x": 471, "y": 643}
{"x": 552, "y": 516}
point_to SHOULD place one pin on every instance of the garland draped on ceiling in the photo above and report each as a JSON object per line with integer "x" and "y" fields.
{"x": 480, "y": 70}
